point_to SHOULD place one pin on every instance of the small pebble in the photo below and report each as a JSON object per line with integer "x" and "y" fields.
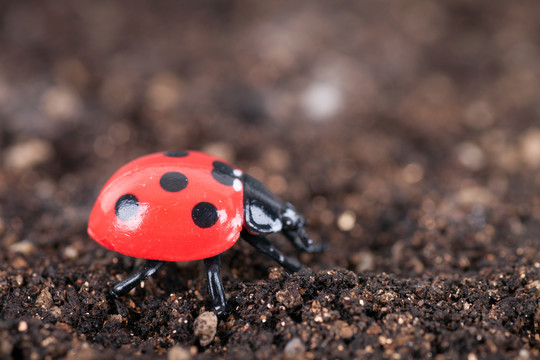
{"x": 44, "y": 299}
{"x": 26, "y": 154}
{"x": 322, "y": 100}
{"x": 19, "y": 279}
{"x": 373, "y": 329}
{"x": 115, "y": 319}
{"x": 70, "y": 252}
{"x": 524, "y": 354}
{"x": 346, "y": 220}
{"x": 23, "y": 326}
{"x": 470, "y": 155}
{"x": 56, "y": 311}
{"x": 60, "y": 103}
{"x": 289, "y": 298}
{"x": 49, "y": 341}
{"x": 23, "y": 247}
{"x": 294, "y": 348}
{"x": 387, "y": 297}
{"x": 205, "y": 327}
{"x": 343, "y": 330}
{"x": 178, "y": 353}
{"x": 364, "y": 260}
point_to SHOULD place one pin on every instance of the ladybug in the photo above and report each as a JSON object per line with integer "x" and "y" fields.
{"x": 187, "y": 205}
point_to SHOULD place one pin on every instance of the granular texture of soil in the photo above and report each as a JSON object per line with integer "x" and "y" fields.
{"x": 406, "y": 132}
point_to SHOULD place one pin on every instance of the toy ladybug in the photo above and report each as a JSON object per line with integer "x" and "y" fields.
{"x": 187, "y": 205}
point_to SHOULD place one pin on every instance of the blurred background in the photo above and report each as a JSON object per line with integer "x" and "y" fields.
{"x": 406, "y": 131}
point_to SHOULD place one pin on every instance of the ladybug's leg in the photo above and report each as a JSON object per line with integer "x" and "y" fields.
{"x": 148, "y": 269}
{"x": 266, "y": 247}
{"x": 293, "y": 229}
{"x": 215, "y": 286}
{"x": 302, "y": 242}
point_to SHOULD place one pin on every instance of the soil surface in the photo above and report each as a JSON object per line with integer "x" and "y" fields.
{"x": 406, "y": 132}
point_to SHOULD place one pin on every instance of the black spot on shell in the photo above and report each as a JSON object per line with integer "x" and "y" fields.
{"x": 127, "y": 207}
{"x": 204, "y": 215}
{"x": 173, "y": 181}
{"x": 223, "y": 173}
{"x": 176, "y": 153}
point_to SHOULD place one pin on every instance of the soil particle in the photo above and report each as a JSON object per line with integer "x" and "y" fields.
{"x": 23, "y": 247}
{"x": 289, "y": 297}
{"x": 204, "y": 327}
{"x": 44, "y": 299}
{"x": 27, "y": 154}
{"x": 178, "y": 353}
{"x": 294, "y": 349}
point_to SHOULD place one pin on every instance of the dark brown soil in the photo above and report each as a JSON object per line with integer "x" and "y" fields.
{"x": 407, "y": 132}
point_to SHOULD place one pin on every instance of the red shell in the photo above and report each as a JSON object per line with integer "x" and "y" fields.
{"x": 162, "y": 225}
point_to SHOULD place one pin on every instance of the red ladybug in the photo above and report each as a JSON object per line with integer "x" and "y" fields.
{"x": 187, "y": 205}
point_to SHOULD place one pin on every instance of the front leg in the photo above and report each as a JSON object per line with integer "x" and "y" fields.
{"x": 293, "y": 229}
{"x": 303, "y": 242}
{"x": 215, "y": 285}
{"x": 266, "y": 247}
{"x": 148, "y": 269}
